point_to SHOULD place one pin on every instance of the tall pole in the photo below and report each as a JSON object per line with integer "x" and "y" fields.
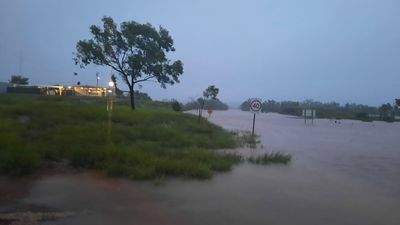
{"x": 97, "y": 80}
{"x": 110, "y": 95}
{"x": 312, "y": 117}
{"x": 20, "y": 64}
{"x": 254, "y": 121}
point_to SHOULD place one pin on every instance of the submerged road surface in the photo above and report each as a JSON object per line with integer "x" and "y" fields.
{"x": 347, "y": 173}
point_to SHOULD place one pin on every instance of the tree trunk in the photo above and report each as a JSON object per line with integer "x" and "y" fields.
{"x": 198, "y": 118}
{"x": 201, "y": 110}
{"x": 132, "y": 94}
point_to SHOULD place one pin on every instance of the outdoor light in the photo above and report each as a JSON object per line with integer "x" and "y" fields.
{"x": 97, "y": 80}
{"x": 69, "y": 87}
{"x": 111, "y": 84}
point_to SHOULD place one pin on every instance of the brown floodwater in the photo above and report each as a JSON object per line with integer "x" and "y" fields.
{"x": 345, "y": 173}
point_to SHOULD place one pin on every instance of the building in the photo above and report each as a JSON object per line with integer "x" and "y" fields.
{"x": 84, "y": 91}
{"x": 57, "y": 90}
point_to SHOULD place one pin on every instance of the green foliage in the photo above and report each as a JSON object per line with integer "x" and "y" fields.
{"x": 17, "y": 79}
{"x": 176, "y": 106}
{"x": 137, "y": 52}
{"x": 245, "y": 139}
{"x": 141, "y": 96}
{"x": 18, "y": 161}
{"x": 144, "y": 101}
{"x": 211, "y": 92}
{"x": 141, "y": 144}
{"x": 214, "y": 104}
{"x": 363, "y": 117}
{"x": 324, "y": 110}
{"x": 273, "y": 157}
{"x": 15, "y": 157}
{"x": 385, "y": 112}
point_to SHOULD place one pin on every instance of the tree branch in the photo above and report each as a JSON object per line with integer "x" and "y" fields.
{"x": 145, "y": 79}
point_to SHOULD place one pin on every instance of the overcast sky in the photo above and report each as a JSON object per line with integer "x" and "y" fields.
{"x": 346, "y": 51}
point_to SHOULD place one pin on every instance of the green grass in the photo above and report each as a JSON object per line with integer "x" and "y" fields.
{"x": 245, "y": 139}
{"x": 269, "y": 158}
{"x": 141, "y": 144}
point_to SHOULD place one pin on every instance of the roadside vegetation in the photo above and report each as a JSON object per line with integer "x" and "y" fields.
{"x": 148, "y": 143}
{"x": 214, "y": 104}
{"x": 144, "y": 101}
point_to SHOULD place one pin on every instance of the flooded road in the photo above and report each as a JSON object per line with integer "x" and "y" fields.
{"x": 346, "y": 173}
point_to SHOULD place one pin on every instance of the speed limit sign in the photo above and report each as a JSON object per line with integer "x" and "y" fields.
{"x": 255, "y": 105}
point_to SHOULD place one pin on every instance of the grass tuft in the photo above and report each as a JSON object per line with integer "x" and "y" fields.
{"x": 245, "y": 139}
{"x": 269, "y": 158}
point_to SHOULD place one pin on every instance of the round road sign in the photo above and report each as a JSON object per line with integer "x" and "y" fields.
{"x": 255, "y": 105}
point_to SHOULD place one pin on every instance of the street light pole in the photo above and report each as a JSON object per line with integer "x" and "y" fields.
{"x": 97, "y": 80}
{"x": 110, "y": 95}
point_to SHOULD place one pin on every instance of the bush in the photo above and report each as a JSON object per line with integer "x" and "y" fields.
{"x": 176, "y": 106}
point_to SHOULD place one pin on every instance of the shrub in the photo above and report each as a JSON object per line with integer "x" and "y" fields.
{"x": 176, "y": 106}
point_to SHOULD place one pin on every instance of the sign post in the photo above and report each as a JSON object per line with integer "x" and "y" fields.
{"x": 254, "y": 122}
{"x": 255, "y": 107}
{"x": 309, "y": 113}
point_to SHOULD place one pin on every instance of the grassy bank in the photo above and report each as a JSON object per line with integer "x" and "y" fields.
{"x": 141, "y": 144}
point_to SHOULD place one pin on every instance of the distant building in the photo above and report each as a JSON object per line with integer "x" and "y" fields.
{"x": 57, "y": 90}
{"x": 34, "y": 89}
{"x": 84, "y": 90}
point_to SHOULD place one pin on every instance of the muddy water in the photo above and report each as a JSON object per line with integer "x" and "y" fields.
{"x": 344, "y": 173}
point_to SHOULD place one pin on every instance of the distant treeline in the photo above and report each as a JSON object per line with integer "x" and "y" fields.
{"x": 143, "y": 100}
{"x": 214, "y": 104}
{"x": 328, "y": 110}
